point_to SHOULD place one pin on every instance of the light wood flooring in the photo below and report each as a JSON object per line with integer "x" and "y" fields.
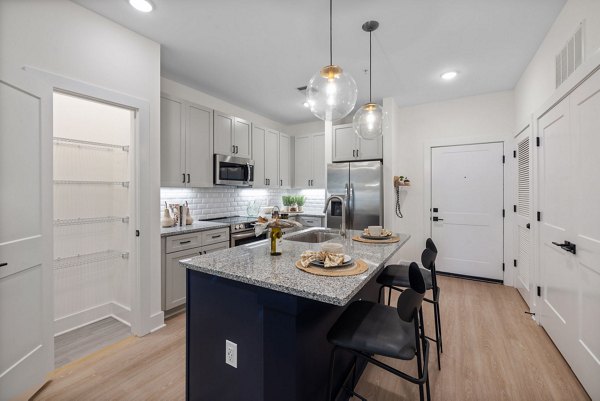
{"x": 493, "y": 351}
{"x": 75, "y": 344}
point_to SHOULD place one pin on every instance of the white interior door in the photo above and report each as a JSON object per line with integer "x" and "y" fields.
{"x": 569, "y": 199}
{"x": 523, "y": 221}
{"x": 467, "y": 202}
{"x": 26, "y": 343}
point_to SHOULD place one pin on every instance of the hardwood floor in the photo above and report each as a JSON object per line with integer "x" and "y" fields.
{"x": 83, "y": 341}
{"x": 493, "y": 351}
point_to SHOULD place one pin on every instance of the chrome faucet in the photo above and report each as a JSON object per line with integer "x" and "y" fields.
{"x": 342, "y": 199}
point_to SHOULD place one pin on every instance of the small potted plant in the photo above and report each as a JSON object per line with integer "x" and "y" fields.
{"x": 300, "y": 199}
{"x": 287, "y": 201}
{"x": 293, "y": 206}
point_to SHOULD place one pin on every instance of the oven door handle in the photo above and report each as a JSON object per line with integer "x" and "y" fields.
{"x": 243, "y": 235}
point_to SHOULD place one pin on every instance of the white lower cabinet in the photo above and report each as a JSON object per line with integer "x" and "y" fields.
{"x": 184, "y": 246}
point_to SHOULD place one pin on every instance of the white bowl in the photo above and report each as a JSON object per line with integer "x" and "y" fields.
{"x": 332, "y": 248}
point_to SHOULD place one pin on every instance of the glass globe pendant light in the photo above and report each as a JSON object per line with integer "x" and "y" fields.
{"x": 331, "y": 92}
{"x": 370, "y": 120}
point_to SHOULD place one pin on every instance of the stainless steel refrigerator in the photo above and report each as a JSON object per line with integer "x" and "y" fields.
{"x": 361, "y": 183}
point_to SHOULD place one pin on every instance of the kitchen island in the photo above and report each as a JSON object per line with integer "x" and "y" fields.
{"x": 277, "y": 315}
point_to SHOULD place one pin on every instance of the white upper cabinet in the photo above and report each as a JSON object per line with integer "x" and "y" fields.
{"x": 258, "y": 155}
{"x": 265, "y": 153}
{"x": 347, "y": 146}
{"x": 319, "y": 169}
{"x": 232, "y": 135}
{"x": 223, "y": 133}
{"x": 309, "y": 161}
{"x": 185, "y": 144}
{"x": 242, "y": 140}
{"x": 285, "y": 148}
{"x": 172, "y": 143}
{"x": 272, "y": 158}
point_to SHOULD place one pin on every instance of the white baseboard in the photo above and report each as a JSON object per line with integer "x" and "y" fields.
{"x": 82, "y": 318}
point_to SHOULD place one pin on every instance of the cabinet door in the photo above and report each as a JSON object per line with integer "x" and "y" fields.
{"x": 223, "y": 133}
{"x": 215, "y": 247}
{"x": 344, "y": 143}
{"x": 175, "y": 281}
{"x": 303, "y": 161}
{"x": 319, "y": 171}
{"x": 242, "y": 138}
{"x": 284, "y": 161}
{"x": 272, "y": 158}
{"x": 172, "y": 143}
{"x": 370, "y": 149}
{"x": 258, "y": 155}
{"x": 198, "y": 146}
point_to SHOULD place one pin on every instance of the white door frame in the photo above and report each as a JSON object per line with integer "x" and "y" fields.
{"x": 141, "y": 320}
{"x": 508, "y": 191}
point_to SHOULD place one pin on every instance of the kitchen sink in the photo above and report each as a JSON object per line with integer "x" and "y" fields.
{"x": 313, "y": 236}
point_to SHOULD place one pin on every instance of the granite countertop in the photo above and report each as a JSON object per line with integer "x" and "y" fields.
{"x": 308, "y": 214}
{"x": 253, "y": 264}
{"x": 194, "y": 227}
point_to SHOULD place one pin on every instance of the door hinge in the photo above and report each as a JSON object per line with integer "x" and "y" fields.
{"x": 539, "y": 291}
{"x": 539, "y": 216}
{"x": 515, "y": 262}
{"x": 503, "y": 266}
{"x": 137, "y": 233}
{"x": 503, "y": 212}
{"x": 537, "y": 141}
{"x": 503, "y": 159}
{"x": 514, "y": 154}
{"x": 515, "y": 208}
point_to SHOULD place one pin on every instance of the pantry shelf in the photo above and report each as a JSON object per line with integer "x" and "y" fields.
{"x": 90, "y": 220}
{"x": 79, "y": 260}
{"x": 91, "y": 143}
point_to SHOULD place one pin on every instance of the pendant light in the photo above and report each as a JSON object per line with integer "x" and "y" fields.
{"x": 331, "y": 93}
{"x": 370, "y": 120}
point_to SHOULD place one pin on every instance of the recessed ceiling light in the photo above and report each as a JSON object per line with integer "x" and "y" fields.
{"x": 142, "y": 5}
{"x": 450, "y": 75}
{"x": 306, "y": 104}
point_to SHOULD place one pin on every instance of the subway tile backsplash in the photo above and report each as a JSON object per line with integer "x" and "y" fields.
{"x": 208, "y": 203}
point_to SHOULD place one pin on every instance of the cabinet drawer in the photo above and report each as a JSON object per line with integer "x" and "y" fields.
{"x": 182, "y": 242}
{"x": 310, "y": 221}
{"x": 214, "y": 236}
{"x": 215, "y": 247}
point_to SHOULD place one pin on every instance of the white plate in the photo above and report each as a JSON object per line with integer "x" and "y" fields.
{"x": 347, "y": 262}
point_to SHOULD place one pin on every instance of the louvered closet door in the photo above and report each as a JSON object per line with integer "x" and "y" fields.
{"x": 524, "y": 215}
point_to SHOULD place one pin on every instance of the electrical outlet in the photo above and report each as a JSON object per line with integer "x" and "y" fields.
{"x": 231, "y": 353}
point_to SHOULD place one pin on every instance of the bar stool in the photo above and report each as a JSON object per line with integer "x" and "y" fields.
{"x": 396, "y": 277}
{"x": 366, "y": 329}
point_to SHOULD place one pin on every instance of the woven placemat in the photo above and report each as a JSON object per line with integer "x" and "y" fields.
{"x": 390, "y": 240}
{"x": 358, "y": 267}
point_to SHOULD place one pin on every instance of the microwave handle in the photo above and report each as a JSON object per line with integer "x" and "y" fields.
{"x": 250, "y": 172}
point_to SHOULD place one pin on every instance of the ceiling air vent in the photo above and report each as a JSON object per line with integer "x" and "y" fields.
{"x": 570, "y": 57}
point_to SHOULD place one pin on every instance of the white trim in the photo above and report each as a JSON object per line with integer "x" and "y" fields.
{"x": 508, "y": 190}
{"x": 141, "y": 318}
{"x": 91, "y": 315}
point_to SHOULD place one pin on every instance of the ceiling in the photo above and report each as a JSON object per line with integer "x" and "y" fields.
{"x": 256, "y": 53}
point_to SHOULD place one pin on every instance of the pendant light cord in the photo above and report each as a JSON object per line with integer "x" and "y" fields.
{"x": 370, "y": 62}
{"x": 330, "y": 32}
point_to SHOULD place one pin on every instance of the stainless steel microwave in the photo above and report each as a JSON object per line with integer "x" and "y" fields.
{"x": 235, "y": 171}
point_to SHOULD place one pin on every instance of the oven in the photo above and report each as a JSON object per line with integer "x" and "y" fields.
{"x": 235, "y": 171}
{"x": 245, "y": 237}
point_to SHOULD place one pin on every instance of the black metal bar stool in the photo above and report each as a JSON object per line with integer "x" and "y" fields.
{"x": 366, "y": 329}
{"x": 396, "y": 277}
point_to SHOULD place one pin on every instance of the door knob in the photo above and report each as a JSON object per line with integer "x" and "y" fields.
{"x": 528, "y": 226}
{"x": 435, "y": 218}
{"x": 567, "y": 246}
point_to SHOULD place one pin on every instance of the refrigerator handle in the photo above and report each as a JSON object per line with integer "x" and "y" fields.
{"x": 350, "y": 206}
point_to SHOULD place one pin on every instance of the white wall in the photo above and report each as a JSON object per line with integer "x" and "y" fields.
{"x": 63, "y": 38}
{"x": 311, "y": 127}
{"x": 176, "y": 89}
{"x": 537, "y": 83}
{"x": 414, "y": 129}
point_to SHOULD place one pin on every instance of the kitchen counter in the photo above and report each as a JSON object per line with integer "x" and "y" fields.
{"x": 278, "y": 318}
{"x": 253, "y": 264}
{"x": 194, "y": 227}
